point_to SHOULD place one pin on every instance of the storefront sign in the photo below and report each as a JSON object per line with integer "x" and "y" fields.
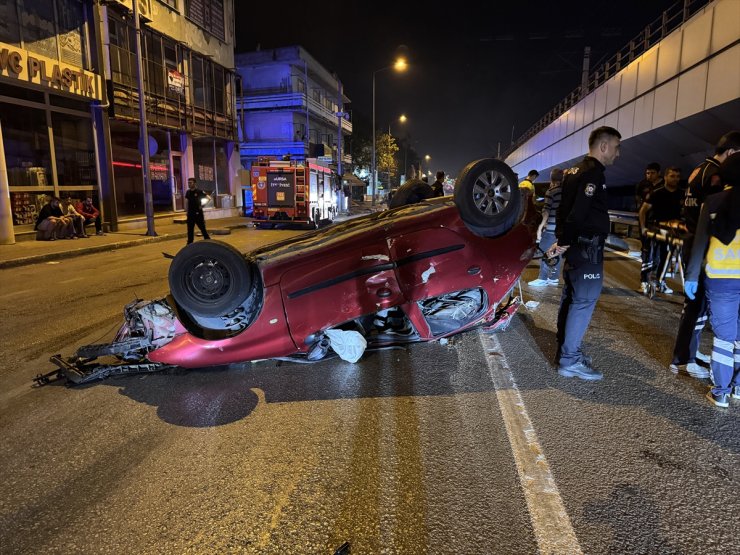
{"x": 280, "y": 189}
{"x": 22, "y": 65}
{"x": 175, "y": 82}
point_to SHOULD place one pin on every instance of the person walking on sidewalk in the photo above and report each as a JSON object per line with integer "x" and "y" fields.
{"x": 549, "y": 274}
{"x": 582, "y": 224}
{"x": 703, "y": 182}
{"x": 716, "y": 247}
{"x": 195, "y": 199}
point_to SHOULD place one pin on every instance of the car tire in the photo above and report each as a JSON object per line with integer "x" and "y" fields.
{"x": 411, "y": 192}
{"x": 488, "y": 198}
{"x": 210, "y": 278}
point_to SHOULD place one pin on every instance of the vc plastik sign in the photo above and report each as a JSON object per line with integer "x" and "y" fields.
{"x": 21, "y": 65}
{"x": 280, "y": 189}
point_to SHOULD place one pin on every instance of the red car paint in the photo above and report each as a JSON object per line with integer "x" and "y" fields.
{"x": 394, "y": 258}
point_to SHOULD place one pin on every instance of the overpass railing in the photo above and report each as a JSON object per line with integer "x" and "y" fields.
{"x": 653, "y": 33}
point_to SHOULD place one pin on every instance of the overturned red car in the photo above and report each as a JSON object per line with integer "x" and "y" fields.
{"x": 420, "y": 272}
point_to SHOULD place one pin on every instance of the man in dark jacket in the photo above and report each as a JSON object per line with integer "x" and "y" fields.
{"x": 438, "y": 186}
{"x": 194, "y": 200}
{"x": 51, "y": 223}
{"x": 651, "y": 182}
{"x": 582, "y": 224}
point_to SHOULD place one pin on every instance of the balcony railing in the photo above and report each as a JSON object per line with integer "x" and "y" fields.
{"x": 652, "y": 34}
{"x": 292, "y": 101}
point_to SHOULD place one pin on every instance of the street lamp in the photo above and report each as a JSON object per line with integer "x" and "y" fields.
{"x": 427, "y": 158}
{"x": 404, "y": 119}
{"x": 400, "y": 65}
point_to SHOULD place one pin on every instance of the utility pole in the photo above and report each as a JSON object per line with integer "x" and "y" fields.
{"x": 7, "y": 234}
{"x": 584, "y": 72}
{"x": 144, "y": 134}
{"x": 340, "y": 170}
{"x": 340, "y": 116}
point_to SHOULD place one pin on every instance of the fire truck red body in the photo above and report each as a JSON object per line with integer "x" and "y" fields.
{"x": 293, "y": 194}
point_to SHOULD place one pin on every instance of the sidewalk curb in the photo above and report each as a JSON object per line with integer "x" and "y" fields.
{"x": 35, "y": 259}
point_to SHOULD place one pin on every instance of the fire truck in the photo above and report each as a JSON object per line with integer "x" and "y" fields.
{"x": 292, "y": 194}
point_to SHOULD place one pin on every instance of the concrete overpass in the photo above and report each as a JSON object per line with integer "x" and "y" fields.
{"x": 671, "y": 92}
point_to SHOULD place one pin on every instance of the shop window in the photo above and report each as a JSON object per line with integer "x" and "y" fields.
{"x": 128, "y": 175}
{"x": 26, "y": 206}
{"x": 75, "y": 150}
{"x": 205, "y": 168}
{"x": 21, "y": 93}
{"x": 26, "y": 138}
{"x": 222, "y": 169}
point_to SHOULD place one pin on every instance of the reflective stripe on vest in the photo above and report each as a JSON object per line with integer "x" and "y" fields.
{"x": 723, "y": 261}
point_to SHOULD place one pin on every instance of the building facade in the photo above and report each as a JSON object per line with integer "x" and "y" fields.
{"x": 288, "y": 104}
{"x": 188, "y": 58}
{"x": 51, "y": 89}
{"x": 69, "y": 112}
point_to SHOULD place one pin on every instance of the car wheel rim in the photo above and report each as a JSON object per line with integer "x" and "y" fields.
{"x": 491, "y": 192}
{"x": 208, "y": 280}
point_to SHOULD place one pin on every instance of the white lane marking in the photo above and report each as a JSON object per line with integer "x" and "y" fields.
{"x": 552, "y": 527}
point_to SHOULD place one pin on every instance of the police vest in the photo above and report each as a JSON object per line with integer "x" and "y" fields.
{"x": 723, "y": 261}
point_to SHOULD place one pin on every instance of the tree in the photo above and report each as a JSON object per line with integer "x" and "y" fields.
{"x": 385, "y": 152}
{"x": 361, "y": 152}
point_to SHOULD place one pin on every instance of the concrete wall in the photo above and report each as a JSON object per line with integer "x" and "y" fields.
{"x": 173, "y": 23}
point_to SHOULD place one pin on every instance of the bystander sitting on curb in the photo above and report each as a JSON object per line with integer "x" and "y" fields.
{"x": 51, "y": 223}
{"x": 78, "y": 221}
{"x": 91, "y": 214}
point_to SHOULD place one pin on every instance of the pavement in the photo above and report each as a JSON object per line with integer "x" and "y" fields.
{"x": 27, "y": 252}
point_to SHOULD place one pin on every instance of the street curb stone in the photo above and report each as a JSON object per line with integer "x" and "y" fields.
{"x": 47, "y": 257}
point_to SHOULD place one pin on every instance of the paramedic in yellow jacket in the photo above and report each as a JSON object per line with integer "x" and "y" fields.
{"x": 717, "y": 249}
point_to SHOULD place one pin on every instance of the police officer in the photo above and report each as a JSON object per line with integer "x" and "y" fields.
{"x": 582, "y": 224}
{"x": 194, "y": 200}
{"x": 703, "y": 181}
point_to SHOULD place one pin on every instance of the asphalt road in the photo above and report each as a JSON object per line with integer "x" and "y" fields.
{"x": 474, "y": 446}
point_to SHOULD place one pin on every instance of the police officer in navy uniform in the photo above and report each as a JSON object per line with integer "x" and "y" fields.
{"x": 194, "y": 200}
{"x": 581, "y": 227}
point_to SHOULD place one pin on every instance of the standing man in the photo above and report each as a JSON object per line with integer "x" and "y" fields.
{"x": 661, "y": 205}
{"x": 651, "y": 182}
{"x": 703, "y": 181}
{"x": 549, "y": 274}
{"x": 438, "y": 185}
{"x": 528, "y": 183}
{"x": 194, "y": 200}
{"x": 582, "y": 224}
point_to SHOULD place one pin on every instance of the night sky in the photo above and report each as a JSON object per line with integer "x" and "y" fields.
{"x": 474, "y": 71}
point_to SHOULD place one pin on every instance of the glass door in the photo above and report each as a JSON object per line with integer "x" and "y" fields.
{"x": 177, "y": 184}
